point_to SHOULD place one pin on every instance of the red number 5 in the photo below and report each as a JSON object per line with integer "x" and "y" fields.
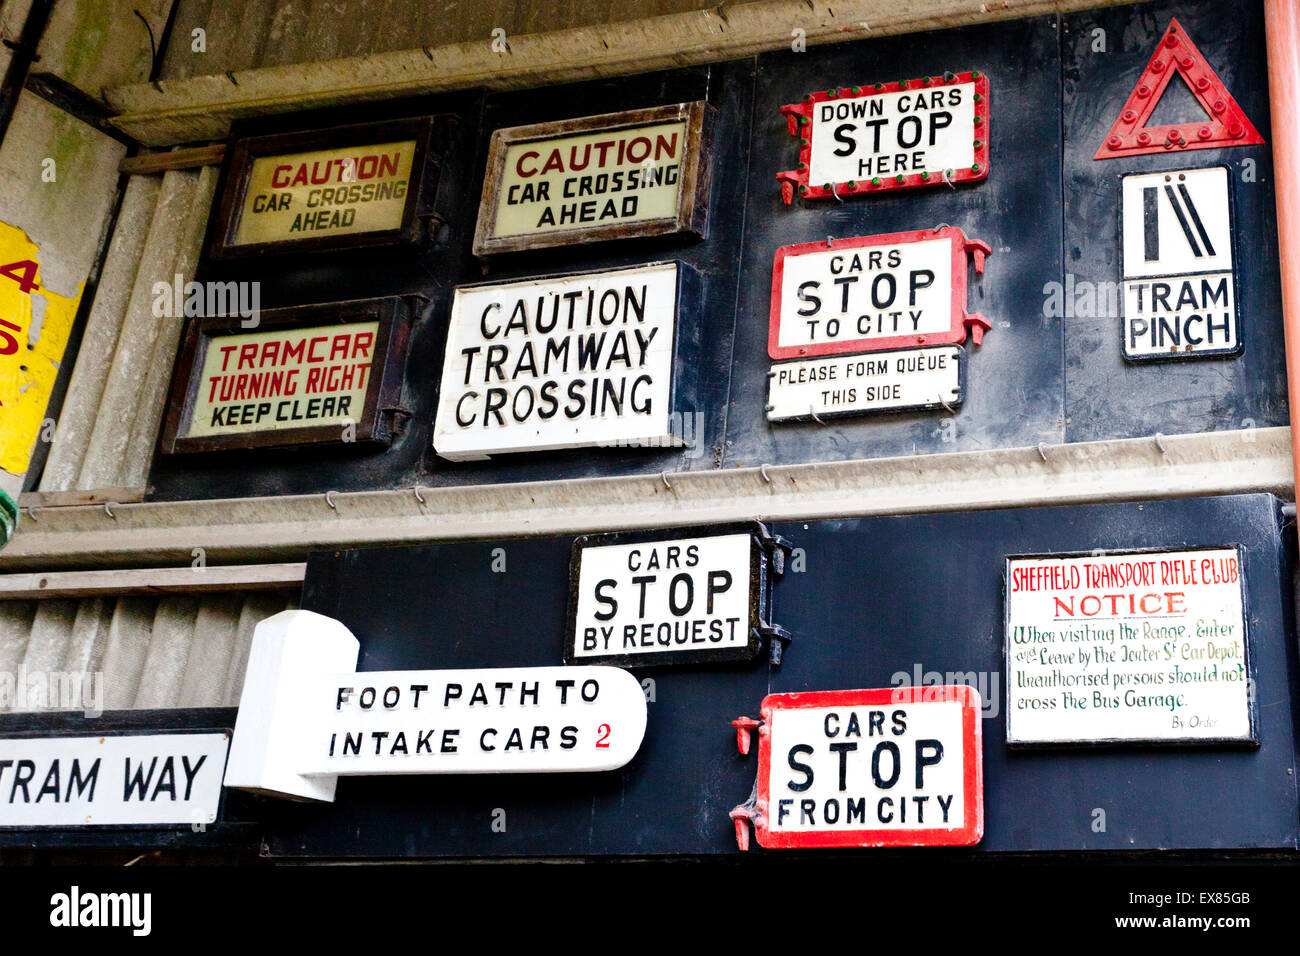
{"x": 603, "y": 742}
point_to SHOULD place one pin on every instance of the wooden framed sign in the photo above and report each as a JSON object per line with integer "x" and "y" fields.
{"x": 339, "y": 188}
{"x": 307, "y": 716}
{"x": 570, "y": 361}
{"x": 658, "y": 598}
{"x": 637, "y": 173}
{"x": 144, "y": 780}
{"x": 886, "y": 136}
{"x": 898, "y": 766}
{"x": 1128, "y": 647}
{"x": 874, "y": 323}
{"x": 1176, "y": 254}
{"x": 317, "y": 374}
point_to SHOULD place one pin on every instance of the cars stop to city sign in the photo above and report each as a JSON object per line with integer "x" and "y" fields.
{"x": 871, "y": 324}
{"x": 897, "y": 766}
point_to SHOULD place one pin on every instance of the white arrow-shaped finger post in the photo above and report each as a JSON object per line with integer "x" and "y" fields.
{"x": 307, "y": 717}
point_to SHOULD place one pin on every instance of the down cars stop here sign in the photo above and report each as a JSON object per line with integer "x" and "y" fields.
{"x": 899, "y": 766}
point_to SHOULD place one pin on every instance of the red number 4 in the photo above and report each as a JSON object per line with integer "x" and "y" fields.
{"x": 23, "y": 272}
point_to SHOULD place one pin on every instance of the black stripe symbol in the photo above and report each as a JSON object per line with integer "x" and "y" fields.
{"x": 1182, "y": 221}
{"x": 1150, "y": 224}
{"x": 1196, "y": 218}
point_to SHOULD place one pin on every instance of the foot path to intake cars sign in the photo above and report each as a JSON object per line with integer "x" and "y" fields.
{"x": 307, "y": 717}
{"x": 1126, "y": 647}
{"x": 898, "y": 766}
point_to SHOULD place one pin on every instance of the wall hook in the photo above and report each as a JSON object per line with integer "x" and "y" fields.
{"x": 1042, "y": 453}
{"x": 329, "y": 500}
{"x": 663, "y": 476}
{"x": 108, "y": 510}
{"x": 1159, "y": 439}
{"x": 762, "y": 470}
{"x": 418, "y": 497}
{"x": 835, "y": 194}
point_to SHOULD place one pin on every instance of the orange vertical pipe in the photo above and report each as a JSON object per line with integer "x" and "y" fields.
{"x": 1282, "y": 29}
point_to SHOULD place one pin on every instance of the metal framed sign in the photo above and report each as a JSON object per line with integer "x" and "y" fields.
{"x": 897, "y": 766}
{"x": 1128, "y": 647}
{"x": 888, "y": 310}
{"x": 319, "y": 374}
{"x": 637, "y": 173}
{"x": 1177, "y": 261}
{"x": 874, "y": 293}
{"x": 138, "y": 780}
{"x": 595, "y": 358}
{"x": 339, "y": 188}
{"x": 657, "y": 598}
{"x": 307, "y": 717}
{"x": 887, "y": 136}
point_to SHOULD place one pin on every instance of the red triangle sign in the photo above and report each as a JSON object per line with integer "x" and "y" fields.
{"x": 1226, "y": 124}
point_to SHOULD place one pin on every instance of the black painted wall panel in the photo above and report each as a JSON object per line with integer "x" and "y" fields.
{"x": 880, "y": 596}
{"x": 1014, "y": 393}
{"x": 1047, "y": 209}
{"x": 1107, "y": 396}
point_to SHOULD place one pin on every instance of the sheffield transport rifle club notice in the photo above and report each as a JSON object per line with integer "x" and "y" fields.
{"x": 1141, "y": 646}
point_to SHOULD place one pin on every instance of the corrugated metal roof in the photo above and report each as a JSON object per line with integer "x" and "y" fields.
{"x": 104, "y": 653}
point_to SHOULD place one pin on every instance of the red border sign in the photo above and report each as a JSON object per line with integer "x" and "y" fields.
{"x": 1176, "y": 53}
{"x": 969, "y": 833}
{"x": 799, "y": 115}
{"x": 963, "y": 322}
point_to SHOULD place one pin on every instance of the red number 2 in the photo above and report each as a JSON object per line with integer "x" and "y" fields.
{"x": 603, "y": 742}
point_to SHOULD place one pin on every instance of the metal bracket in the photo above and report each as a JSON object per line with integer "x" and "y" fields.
{"x": 778, "y": 548}
{"x": 777, "y": 638}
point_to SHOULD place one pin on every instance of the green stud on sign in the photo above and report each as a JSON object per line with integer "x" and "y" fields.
{"x": 875, "y": 180}
{"x": 975, "y": 168}
{"x": 8, "y": 518}
{"x": 899, "y": 178}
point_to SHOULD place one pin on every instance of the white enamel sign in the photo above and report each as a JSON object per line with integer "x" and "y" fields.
{"x": 1180, "y": 296}
{"x": 904, "y": 132}
{"x": 306, "y": 717}
{"x": 561, "y": 362}
{"x": 137, "y": 780}
{"x": 1144, "y": 646}
{"x": 881, "y": 767}
{"x": 649, "y": 601}
{"x": 876, "y": 381}
{"x": 851, "y": 299}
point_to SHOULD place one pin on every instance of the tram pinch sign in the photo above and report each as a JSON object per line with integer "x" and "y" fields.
{"x": 614, "y": 176}
{"x": 887, "y": 136}
{"x": 307, "y": 717}
{"x": 896, "y": 302}
{"x": 656, "y": 598}
{"x": 898, "y": 766}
